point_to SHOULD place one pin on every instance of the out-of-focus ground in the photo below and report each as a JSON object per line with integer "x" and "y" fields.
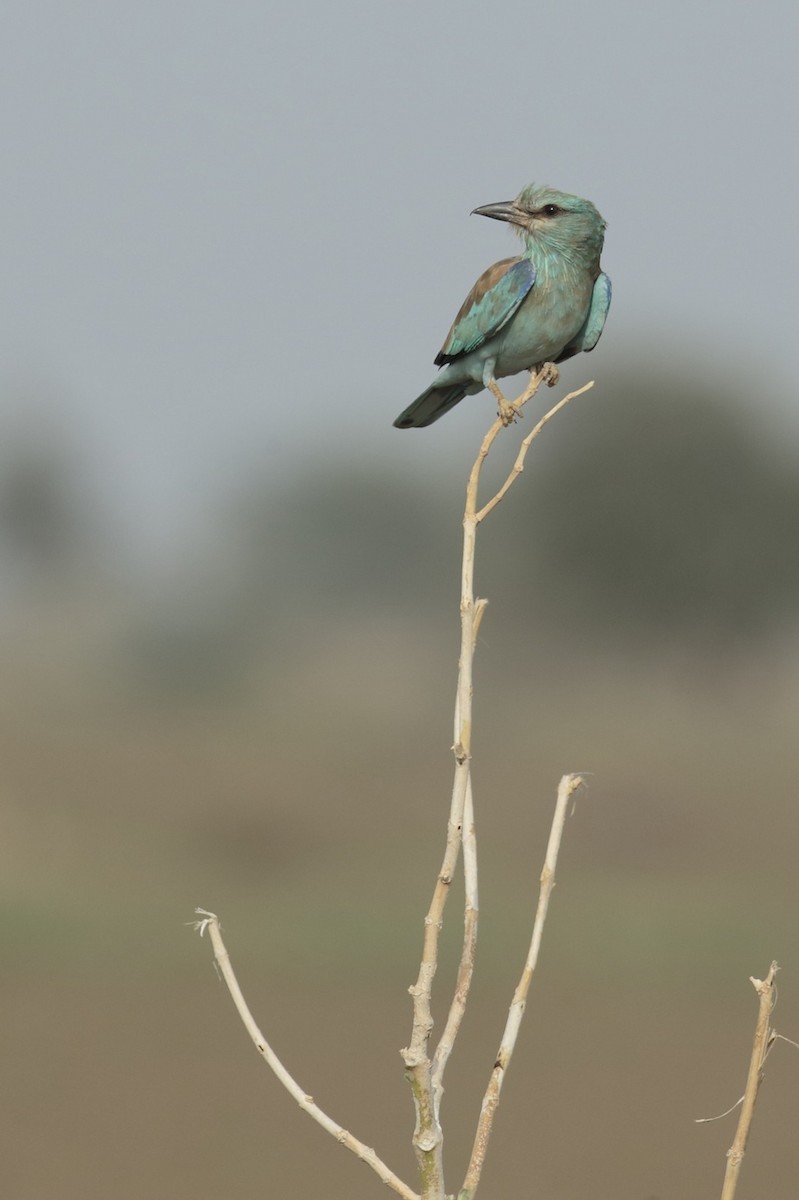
{"x": 265, "y": 732}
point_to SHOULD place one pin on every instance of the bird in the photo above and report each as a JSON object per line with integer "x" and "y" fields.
{"x": 542, "y": 306}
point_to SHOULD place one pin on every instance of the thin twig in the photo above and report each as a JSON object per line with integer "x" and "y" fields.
{"x": 470, "y": 913}
{"x": 468, "y": 950}
{"x": 566, "y": 788}
{"x": 766, "y": 993}
{"x": 518, "y": 466}
{"x": 210, "y": 922}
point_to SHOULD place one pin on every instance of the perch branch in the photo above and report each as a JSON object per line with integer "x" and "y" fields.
{"x": 518, "y": 466}
{"x": 466, "y": 968}
{"x": 468, "y": 951}
{"x": 566, "y": 789}
{"x": 427, "y": 1082}
{"x": 426, "y": 1085}
{"x": 426, "y": 1078}
{"x": 470, "y": 913}
{"x": 763, "y": 1035}
{"x": 210, "y": 921}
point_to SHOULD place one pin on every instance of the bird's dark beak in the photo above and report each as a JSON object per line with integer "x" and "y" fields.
{"x": 506, "y": 210}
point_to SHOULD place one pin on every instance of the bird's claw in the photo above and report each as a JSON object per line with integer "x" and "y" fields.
{"x": 506, "y": 411}
{"x": 549, "y": 373}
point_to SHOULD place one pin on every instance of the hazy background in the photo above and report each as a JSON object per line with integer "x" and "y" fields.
{"x": 234, "y": 237}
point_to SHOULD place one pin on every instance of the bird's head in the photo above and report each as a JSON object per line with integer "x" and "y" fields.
{"x": 554, "y": 221}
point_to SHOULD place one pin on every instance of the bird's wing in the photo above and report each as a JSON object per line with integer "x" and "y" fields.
{"x": 490, "y": 304}
{"x": 600, "y": 303}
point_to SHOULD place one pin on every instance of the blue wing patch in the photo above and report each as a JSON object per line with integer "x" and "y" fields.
{"x": 600, "y": 304}
{"x": 489, "y": 306}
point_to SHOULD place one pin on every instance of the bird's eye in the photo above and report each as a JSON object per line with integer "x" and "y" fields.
{"x": 550, "y": 210}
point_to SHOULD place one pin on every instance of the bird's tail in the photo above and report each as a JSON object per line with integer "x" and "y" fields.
{"x": 431, "y": 405}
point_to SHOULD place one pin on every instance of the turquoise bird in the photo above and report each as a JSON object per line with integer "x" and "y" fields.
{"x": 544, "y": 306}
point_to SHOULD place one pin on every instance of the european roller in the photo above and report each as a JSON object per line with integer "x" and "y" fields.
{"x": 544, "y": 306}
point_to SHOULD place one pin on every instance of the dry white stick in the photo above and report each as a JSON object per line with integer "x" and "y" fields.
{"x": 426, "y": 1088}
{"x": 209, "y": 921}
{"x": 767, "y": 994}
{"x": 518, "y": 466}
{"x": 426, "y": 1078}
{"x": 427, "y": 1082}
{"x": 466, "y": 967}
{"x": 468, "y": 951}
{"x": 568, "y": 785}
{"x": 470, "y": 913}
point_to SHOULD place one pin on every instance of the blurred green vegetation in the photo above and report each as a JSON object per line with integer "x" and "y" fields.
{"x": 649, "y": 515}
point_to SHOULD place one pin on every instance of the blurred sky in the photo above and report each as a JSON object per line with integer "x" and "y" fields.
{"x": 235, "y": 234}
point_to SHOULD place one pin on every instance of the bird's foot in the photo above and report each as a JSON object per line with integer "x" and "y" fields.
{"x": 549, "y": 373}
{"x": 507, "y": 412}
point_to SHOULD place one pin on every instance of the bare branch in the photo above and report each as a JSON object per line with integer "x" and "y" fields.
{"x": 427, "y": 1087}
{"x": 518, "y": 466}
{"x": 210, "y": 922}
{"x": 426, "y": 1077}
{"x": 766, "y": 991}
{"x": 566, "y": 789}
{"x": 426, "y": 1082}
{"x": 468, "y": 951}
{"x": 471, "y": 910}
